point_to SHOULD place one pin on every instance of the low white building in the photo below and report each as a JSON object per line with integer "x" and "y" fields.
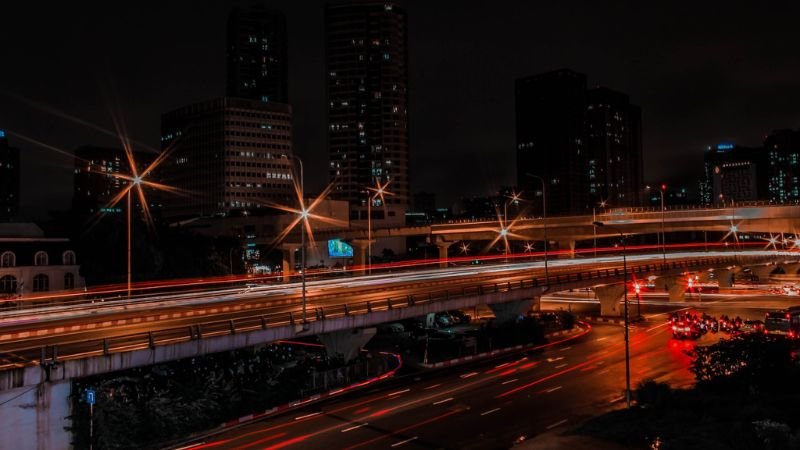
{"x": 32, "y": 264}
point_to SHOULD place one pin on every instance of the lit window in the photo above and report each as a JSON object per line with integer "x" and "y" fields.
{"x": 40, "y": 259}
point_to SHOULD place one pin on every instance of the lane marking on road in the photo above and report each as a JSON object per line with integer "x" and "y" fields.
{"x": 561, "y": 365}
{"x": 431, "y": 387}
{"x": 502, "y": 365}
{"x": 656, "y": 327}
{"x": 468, "y": 375}
{"x": 449, "y": 399}
{"x": 615, "y": 400}
{"x": 398, "y": 444}
{"x": 486, "y": 413}
{"x": 560, "y": 422}
{"x": 307, "y": 416}
{"x": 399, "y": 392}
{"x": 603, "y": 371}
{"x": 355, "y": 427}
{"x": 566, "y": 348}
{"x": 602, "y": 338}
{"x": 510, "y": 381}
{"x": 555, "y": 359}
{"x": 553, "y": 389}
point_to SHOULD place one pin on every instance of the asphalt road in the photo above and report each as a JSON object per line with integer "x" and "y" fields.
{"x": 495, "y": 404}
{"x": 482, "y": 406}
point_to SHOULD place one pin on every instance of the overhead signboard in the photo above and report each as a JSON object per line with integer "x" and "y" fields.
{"x": 339, "y": 249}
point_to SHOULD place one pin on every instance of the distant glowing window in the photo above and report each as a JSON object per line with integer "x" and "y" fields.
{"x": 8, "y": 259}
{"x": 40, "y": 259}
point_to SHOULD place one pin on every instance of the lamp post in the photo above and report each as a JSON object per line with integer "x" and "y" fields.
{"x": 514, "y": 198}
{"x": 378, "y": 191}
{"x": 663, "y": 236}
{"x": 304, "y": 220}
{"x": 136, "y": 181}
{"x": 544, "y": 217}
{"x": 625, "y": 283}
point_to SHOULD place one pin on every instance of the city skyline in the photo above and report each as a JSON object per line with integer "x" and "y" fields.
{"x": 696, "y": 89}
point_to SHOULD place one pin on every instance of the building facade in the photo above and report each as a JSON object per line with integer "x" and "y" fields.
{"x": 551, "y": 137}
{"x": 585, "y": 143}
{"x": 614, "y": 148}
{"x": 367, "y": 103}
{"x": 32, "y": 264}
{"x": 9, "y": 179}
{"x": 733, "y": 173}
{"x": 227, "y": 155}
{"x": 98, "y": 176}
{"x": 257, "y": 55}
{"x": 783, "y": 154}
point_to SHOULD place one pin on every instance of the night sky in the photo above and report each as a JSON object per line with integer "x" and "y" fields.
{"x": 703, "y": 72}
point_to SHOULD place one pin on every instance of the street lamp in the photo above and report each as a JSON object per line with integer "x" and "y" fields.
{"x": 663, "y": 236}
{"x": 625, "y": 283}
{"x": 378, "y": 191}
{"x": 514, "y": 198}
{"x": 544, "y": 217}
{"x": 304, "y": 218}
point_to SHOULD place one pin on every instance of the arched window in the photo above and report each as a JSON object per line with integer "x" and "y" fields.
{"x": 40, "y": 259}
{"x": 69, "y": 281}
{"x": 68, "y": 258}
{"x": 8, "y": 259}
{"x": 8, "y": 285}
{"x": 41, "y": 283}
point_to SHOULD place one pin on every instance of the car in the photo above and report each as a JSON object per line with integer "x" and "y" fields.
{"x": 682, "y": 329}
{"x": 752, "y": 326}
{"x": 460, "y": 317}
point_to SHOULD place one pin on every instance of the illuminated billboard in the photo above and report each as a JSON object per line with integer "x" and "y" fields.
{"x": 339, "y": 249}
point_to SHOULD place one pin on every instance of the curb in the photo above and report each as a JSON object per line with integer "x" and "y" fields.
{"x": 484, "y": 355}
{"x": 607, "y": 320}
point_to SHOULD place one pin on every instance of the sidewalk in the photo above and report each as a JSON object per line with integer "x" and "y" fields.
{"x": 554, "y": 440}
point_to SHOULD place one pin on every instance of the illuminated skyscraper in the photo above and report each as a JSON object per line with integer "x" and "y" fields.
{"x": 367, "y": 79}
{"x": 257, "y": 55}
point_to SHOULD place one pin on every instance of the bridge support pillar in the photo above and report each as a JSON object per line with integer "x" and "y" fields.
{"x": 510, "y": 311}
{"x": 360, "y": 255}
{"x": 725, "y": 277}
{"x": 610, "y": 295}
{"x": 346, "y": 343}
{"x": 443, "y": 246}
{"x": 790, "y": 269}
{"x": 36, "y": 418}
{"x": 676, "y": 286}
{"x": 762, "y": 272}
{"x": 567, "y": 245}
{"x": 289, "y": 260}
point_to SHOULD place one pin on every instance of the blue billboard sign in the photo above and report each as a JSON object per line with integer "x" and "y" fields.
{"x": 724, "y": 146}
{"x": 339, "y": 249}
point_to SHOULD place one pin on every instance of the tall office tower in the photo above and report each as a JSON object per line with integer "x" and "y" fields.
{"x": 551, "y": 138}
{"x": 9, "y": 179}
{"x": 733, "y": 172}
{"x": 367, "y": 78}
{"x": 227, "y": 155}
{"x": 257, "y": 55}
{"x": 614, "y": 148}
{"x": 783, "y": 153}
{"x": 96, "y": 179}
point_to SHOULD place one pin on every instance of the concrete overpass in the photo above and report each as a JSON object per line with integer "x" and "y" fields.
{"x": 42, "y": 358}
{"x": 566, "y": 230}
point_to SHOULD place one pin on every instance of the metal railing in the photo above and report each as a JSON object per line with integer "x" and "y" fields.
{"x": 139, "y": 341}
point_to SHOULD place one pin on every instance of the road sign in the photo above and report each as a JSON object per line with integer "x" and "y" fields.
{"x": 90, "y": 396}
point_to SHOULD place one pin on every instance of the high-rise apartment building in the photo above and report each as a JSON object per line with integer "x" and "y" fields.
{"x": 98, "y": 176}
{"x": 733, "y": 173}
{"x": 227, "y": 155}
{"x": 367, "y": 79}
{"x": 585, "y": 144}
{"x": 9, "y": 179}
{"x": 783, "y": 154}
{"x": 257, "y": 55}
{"x": 614, "y": 148}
